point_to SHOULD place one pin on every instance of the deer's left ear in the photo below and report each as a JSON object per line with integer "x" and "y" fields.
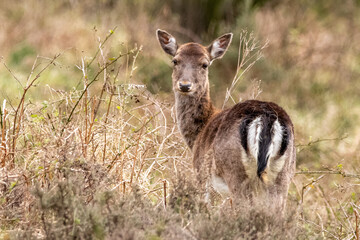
{"x": 219, "y": 46}
{"x": 167, "y": 42}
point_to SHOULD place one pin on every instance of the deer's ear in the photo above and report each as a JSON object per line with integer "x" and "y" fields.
{"x": 219, "y": 46}
{"x": 167, "y": 42}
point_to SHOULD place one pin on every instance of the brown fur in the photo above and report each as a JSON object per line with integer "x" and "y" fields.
{"x": 214, "y": 135}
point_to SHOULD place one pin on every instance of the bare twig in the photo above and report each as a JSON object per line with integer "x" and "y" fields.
{"x": 20, "y": 108}
{"x": 310, "y": 143}
{"x": 339, "y": 172}
{"x": 348, "y": 220}
{"x": 135, "y": 157}
{"x": 12, "y": 74}
{"x": 3, "y": 150}
{"x": 164, "y": 182}
{"x": 309, "y": 184}
{"x": 111, "y": 32}
{"x": 90, "y": 83}
{"x": 249, "y": 53}
{"x": 356, "y": 224}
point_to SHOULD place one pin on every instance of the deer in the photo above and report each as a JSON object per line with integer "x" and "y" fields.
{"x": 246, "y": 151}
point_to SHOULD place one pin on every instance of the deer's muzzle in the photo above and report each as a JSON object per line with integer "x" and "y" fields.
{"x": 185, "y": 86}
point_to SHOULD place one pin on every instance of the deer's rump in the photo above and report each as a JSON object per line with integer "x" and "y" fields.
{"x": 253, "y": 139}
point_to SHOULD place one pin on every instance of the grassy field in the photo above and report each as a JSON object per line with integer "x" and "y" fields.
{"x": 89, "y": 143}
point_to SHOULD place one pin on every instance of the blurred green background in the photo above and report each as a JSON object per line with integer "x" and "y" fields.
{"x": 311, "y": 65}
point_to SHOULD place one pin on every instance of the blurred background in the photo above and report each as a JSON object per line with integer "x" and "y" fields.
{"x": 311, "y": 65}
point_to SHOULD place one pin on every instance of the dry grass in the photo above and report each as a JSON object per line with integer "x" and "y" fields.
{"x": 88, "y": 152}
{"x": 116, "y": 131}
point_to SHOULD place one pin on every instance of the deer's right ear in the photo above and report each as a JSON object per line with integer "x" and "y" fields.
{"x": 167, "y": 42}
{"x": 219, "y": 46}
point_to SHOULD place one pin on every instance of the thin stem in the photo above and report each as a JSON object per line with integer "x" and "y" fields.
{"x": 90, "y": 83}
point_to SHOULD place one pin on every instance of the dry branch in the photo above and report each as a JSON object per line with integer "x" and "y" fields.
{"x": 338, "y": 172}
{"x": 310, "y": 143}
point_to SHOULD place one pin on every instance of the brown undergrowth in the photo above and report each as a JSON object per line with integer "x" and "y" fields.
{"x": 104, "y": 160}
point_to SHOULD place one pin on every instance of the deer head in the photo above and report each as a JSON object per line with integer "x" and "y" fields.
{"x": 191, "y": 62}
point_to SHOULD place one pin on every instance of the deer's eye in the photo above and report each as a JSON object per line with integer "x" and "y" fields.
{"x": 204, "y": 66}
{"x": 174, "y": 61}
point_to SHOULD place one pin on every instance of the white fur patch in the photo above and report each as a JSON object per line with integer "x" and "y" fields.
{"x": 172, "y": 45}
{"x": 275, "y": 166}
{"x": 219, "y": 185}
{"x": 216, "y": 50}
{"x": 276, "y": 140}
{"x": 253, "y": 137}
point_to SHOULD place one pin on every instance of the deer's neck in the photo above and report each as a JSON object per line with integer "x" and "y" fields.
{"x": 192, "y": 112}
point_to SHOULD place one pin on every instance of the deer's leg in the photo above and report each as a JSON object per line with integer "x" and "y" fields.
{"x": 205, "y": 177}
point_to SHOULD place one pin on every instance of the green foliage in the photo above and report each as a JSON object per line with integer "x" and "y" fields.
{"x": 158, "y": 76}
{"x": 21, "y": 52}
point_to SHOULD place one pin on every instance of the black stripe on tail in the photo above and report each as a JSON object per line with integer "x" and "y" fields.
{"x": 285, "y": 138}
{"x": 244, "y": 128}
{"x": 264, "y": 142}
{"x": 266, "y": 136}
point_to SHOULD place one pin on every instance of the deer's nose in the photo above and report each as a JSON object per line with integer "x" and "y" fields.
{"x": 185, "y": 86}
